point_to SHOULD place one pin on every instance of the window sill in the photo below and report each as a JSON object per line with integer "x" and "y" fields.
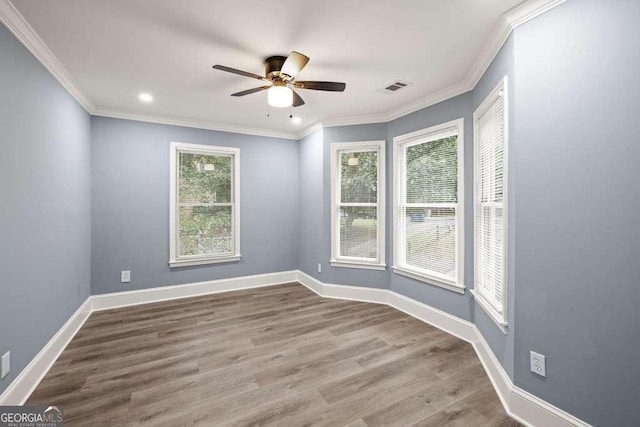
{"x": 493, "y": 314}
{"x": 201, "y": 261}
{"x": 351, "y": 264}
{"x": 428, "y": 279}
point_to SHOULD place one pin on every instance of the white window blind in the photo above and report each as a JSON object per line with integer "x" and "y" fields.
{"x": 429, "y": 204}
{"x": 490, "y": 179}
{"x": 204, "y": 207}
{"x": 356, "y": 204}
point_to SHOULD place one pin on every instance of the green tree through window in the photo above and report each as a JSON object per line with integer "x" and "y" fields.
{"x": 205, "y": 197}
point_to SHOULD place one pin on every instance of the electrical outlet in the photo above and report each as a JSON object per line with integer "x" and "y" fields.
{"x": 319, "y": 268}
{"x": 125, "y": 276}
{"x": 6, "y": 364}
{"x": 538, "y": 364}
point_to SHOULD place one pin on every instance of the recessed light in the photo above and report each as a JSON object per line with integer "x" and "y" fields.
{"x": 296, "y": 120}
{"x": 145, "y": 97}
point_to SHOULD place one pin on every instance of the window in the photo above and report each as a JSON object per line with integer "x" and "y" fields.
{"x": 205, "y": 209}
{"x": 357, "y": 205}
{"x": 428, "y": 205}
{"x": 490, "y": 185}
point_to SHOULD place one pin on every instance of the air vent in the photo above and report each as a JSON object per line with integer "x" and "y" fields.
{"x": 394, "y": 87}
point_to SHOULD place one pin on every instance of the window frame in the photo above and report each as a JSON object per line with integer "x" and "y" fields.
{"x": 174, "y": 259}
{"x": 500, "y": 91}
{"x": 379, "y": 263}
{"x": 400, "y": 145}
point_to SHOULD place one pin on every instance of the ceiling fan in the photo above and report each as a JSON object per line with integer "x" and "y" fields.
{"x": 280, "y": 72}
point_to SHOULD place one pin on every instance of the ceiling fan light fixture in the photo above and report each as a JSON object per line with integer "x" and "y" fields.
{"x": 280, "y": 73}
{"x": 280, "y": 96}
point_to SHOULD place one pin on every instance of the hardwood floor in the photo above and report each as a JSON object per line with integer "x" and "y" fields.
{"x": 271, "y": 356}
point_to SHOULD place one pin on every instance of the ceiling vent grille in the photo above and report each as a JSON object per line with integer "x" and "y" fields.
{"x": 394, "y": 87}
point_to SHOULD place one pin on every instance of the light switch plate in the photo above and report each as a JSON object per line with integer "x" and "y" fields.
{"x": 6, "y": 364}
{"x": 125, "y": 276}
{"x": 538, "y": 364}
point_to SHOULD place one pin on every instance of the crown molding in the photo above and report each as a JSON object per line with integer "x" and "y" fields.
{"x": 20, "y": 28}
{"x": 528, "y": 10}
{"x": 489, "y": 51}
{"x": 432, "y": 99}
{"x": 520, "y": 14}
{"x": 194, "y": 123}
{"x": 311, "y": 129}
{"x": 404, "y": 110}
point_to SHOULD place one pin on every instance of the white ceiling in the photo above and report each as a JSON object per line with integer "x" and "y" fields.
{"x": 115, "y": 49}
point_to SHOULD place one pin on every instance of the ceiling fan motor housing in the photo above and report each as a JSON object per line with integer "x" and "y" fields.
{"x": 272, "y": 66}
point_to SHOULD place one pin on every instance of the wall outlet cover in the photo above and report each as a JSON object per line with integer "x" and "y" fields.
{"x": 125, "y": 276}
{"x": 6, "y": 364}
{"x": 538, "y": 364}
{"x": 319, "y": 268}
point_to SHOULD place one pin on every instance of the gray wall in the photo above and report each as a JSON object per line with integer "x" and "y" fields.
{"x": 130, "y": 193}
{"x": 45, "y": 216}
{"x": 341, "y": 275}
{"x": 460, "y": 305}
{"x": 310, "y": 196}
{"x": 574, "y": 233}
{"x": 452, "y": 109}
{"x": 452, "y": 302}
{"x": 501, "y": 344}
{"x": 572, "y": 270}
{"x": 577, "y": 101}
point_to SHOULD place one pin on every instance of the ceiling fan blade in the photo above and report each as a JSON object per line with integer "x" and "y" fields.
{"x": 250, "y": 91}
{"x": 239, "y": 72}
{"x": 293, "y": 64}
{"x": 328, "y": 86}
{"x": 297, "y": 99}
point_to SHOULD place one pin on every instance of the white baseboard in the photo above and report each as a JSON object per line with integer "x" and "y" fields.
{"x": 440, "y": 319}
{"x": 23, "y": 385}
{"x": 519, "y": 404}
{"x": 165, "y": 293}
{"x": 352, "y": 293}
{"x": 311, "y": 282}
{"x": 526, "y": 406}
{"x": 496, "y": 373}
{"x": 26, "y": 382}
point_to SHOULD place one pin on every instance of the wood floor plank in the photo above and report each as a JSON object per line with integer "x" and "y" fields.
{"x": 279, "y": 355}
